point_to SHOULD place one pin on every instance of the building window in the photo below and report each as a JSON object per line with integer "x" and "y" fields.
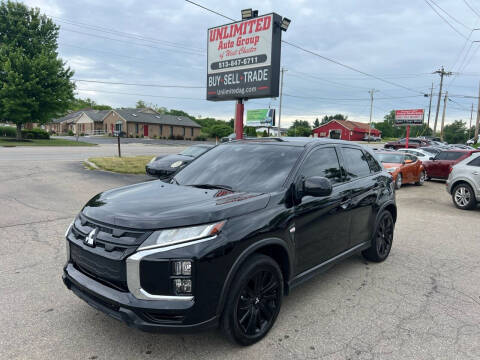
{"x": 161, "y": 129}
{"x": 171, "y": 130}
{"x": 183, "y": 131}
{"x": 136, "y": 128}
{"x": 191, "y": 129}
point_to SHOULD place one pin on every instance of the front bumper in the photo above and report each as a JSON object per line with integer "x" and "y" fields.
{"x": 146, "y": 315}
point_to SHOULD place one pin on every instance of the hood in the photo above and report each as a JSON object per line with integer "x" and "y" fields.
{"x": 391, "y": 165}
{"x": 165, "y": 162}
{"x": 156, "y": 205}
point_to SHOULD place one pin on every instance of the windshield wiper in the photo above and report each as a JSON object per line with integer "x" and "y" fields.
{"x": 212, "y": 186}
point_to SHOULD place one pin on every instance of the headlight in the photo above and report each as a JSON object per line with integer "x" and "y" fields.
{"x": 180, "y": 235}
{"x": 153, "y": 159}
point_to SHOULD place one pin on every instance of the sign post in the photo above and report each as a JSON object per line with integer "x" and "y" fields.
{"x": 244, "y": 62}
{"x": 409, "y": 118}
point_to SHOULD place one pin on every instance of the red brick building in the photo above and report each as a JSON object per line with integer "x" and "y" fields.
{"x": 345, "y": 130}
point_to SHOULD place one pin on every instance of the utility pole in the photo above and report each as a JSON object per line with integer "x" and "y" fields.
{"x": 430, "y": 106}
{"x": 478, "y": 116}
{"x": 443, "y": 114}
{"x": 280, "y": 106}
{"x": 470, "y": 127}
{"x": 371, "y": 92}
{"x": 442, "y": 73}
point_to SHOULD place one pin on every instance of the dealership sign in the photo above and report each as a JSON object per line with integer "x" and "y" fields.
{"x": 409, "y": 117}
{"x": 261, "y": 117}
{"x": 244, "y": 59}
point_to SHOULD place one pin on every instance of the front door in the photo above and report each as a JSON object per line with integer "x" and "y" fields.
{"x": 145, "y": 130}
{"x": 321, "y": 223}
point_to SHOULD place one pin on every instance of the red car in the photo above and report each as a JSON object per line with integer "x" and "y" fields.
{"x": 412, "y": 143}
{"x": 440, "y": 165}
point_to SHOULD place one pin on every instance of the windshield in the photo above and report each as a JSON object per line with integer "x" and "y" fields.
{"x": 249, "y": 167}
{"x": 194, "y": 151}
{"x": 390, "y": 158}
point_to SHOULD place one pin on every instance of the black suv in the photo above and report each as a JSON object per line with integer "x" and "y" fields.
{"x": 233, "y": 232}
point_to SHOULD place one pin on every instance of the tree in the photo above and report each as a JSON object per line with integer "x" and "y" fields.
{"x": 140, "y": 104}
{"x": 250, "y": 131}
{"x": 35, "y": 83}
{"x": 220, "y": 130}
{"x": 300, "y": 128}
{"x": 316, "y": 123}
{"x": 456, "y": 132}
{"x": 328, "y": 118}
{"x": 86, "y": 104}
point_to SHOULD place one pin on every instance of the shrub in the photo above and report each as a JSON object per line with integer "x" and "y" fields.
{"x": 154, "y": 136}
{"x": 171, "y": 137}
{"x": 8, "y": 131}
{"x": 35, "y": 133}
{"x": 200, "y": 138}
{"x": 70, "y": 133}
{"x": 179, "y": 137}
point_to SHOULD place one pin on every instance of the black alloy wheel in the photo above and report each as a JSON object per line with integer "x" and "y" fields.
{"x": 254, "y": 301}
{"x": 382, "y": 239}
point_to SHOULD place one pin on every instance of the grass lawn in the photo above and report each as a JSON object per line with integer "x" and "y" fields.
{"x": 125, "y": 165}
{"x": 8, "y": 142}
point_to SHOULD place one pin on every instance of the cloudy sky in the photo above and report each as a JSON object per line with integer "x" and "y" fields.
{"x": 164, "y": 43}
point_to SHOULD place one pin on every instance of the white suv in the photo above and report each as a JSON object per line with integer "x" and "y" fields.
{"x": 463, "y": 183}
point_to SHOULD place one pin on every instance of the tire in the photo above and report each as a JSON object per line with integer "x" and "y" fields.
{"x": 382, "y": 239}
{"x": 463, "y": 197}
{"x": 254, "y": 300}
{"x": 398, "y": 181}
{"x": 421, "y": 179}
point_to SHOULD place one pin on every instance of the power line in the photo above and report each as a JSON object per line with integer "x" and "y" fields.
{"x": 471, "y": 8}
{"x": 130, "y": 42}
{"x": 142, "y": 95}
{"x": 350, "y": 99}
{"x": 318, "y": 55}
{"x": 450, "y": 16}
{"x": 137, "y": 84}
{"x": 446, "y": 21}
{"x": 212, "y": 11}
{"x": 123, "y": 33}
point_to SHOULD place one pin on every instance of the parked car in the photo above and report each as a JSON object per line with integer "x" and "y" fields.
{"x": 432, "y": 150}
{"x": 471, "y": 141}
{"x": 405, "y": 168}
{"x": 412, "y": 143}
{"x": 231, "y": 137}
{"x": 463, "y": 182}
{"x": 418, "y": 152}
{"x": 371, "y": 138}
{"x": 439, "y": 166}
{"x": 234, "y": 231}
{"x": 462, "y": 146}
{"x": 165, "y": 167}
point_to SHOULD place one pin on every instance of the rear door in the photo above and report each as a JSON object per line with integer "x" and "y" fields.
{"x": 364, "y": 189}
{"x": 437, "y": 164}
{"x": 474, "y": 173}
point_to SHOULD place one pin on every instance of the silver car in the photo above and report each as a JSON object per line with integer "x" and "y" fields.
{"x": 463, "y": 183}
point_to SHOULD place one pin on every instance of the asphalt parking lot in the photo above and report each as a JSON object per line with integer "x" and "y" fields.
{"x": 422, "y": 303}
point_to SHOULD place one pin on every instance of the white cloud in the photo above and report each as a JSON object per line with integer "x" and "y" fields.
{"x": 49, "y": 7}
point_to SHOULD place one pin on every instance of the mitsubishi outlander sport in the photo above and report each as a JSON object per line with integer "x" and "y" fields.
{"x": 230, "y": 235}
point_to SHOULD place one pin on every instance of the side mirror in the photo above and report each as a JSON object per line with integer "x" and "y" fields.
{"x": 317, "y": 186}
{"x": 431, "y": 158}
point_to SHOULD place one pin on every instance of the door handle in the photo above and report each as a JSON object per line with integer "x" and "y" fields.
{"x": 475, "y": 173}
{"x": 345, "y": 203}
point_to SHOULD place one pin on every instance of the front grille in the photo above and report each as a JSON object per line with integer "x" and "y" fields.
{"x": 161, "y": 318}
{"x": 105, "y": 262}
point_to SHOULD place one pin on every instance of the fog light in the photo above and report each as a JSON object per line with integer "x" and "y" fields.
{"x": 182, "y": 286}
{"x": 182, "y": 268}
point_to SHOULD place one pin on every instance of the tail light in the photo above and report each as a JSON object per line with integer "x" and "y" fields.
{"x": 450, "y": 168}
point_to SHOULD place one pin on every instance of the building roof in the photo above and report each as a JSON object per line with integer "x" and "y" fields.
{"x": 351, "y": 125}
{"x": 149, "y": 116}
{"x": 68, "y": 118}
{"x": 96, "y": 115}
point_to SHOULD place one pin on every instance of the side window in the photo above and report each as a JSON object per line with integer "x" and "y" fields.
{"x": 410, "y": 157}
{"x": 323, "y": 162}
{"x": 475, "y": 162}
{"x": 442, "y": 156}
{"x": 374, "y": 165}
{"x": 355, "y": 162}
{"x": 454, "y": 155}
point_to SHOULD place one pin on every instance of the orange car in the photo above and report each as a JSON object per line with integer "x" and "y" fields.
{"x": 405, "y": 168}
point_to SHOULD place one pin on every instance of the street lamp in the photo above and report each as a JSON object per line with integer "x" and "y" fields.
{"x": 285, "y": 23}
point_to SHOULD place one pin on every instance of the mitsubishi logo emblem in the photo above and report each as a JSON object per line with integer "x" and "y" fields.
{"x": 90, "y": 239}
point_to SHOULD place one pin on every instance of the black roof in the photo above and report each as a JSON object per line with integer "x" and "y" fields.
{"x": 294, "y": 141}
{"x": 149, "y": 116}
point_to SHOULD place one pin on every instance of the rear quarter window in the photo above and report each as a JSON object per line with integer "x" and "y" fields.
{"x": 475, "y": 162}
